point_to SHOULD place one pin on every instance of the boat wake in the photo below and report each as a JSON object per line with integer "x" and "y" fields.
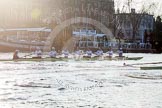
{"x": 145, "y": 76}
{"x": 34, "y": 85}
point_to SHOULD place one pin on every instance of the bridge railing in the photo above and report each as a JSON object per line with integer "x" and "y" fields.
{"x": 95, "y": 44}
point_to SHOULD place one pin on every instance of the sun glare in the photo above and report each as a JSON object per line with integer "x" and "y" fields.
{"x": 36, "y": 13}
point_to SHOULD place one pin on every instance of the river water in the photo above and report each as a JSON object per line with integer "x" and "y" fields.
{"x": 80, "y": 84}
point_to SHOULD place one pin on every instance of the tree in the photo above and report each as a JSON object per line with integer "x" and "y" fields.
{"x": 135, "y": 18}
{"x": 158, "y": 28}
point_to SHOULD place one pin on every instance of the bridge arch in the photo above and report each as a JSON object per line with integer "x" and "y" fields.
{"x": 71, "y": 21}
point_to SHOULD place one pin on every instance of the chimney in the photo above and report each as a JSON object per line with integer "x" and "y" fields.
{"x": 118, "y": 11}
{"x": 133, "y": 10}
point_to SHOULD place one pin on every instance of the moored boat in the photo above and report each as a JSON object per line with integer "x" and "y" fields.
{"x": 151, "y": 68}
{"x": 133, "y": 58}
{"x": 128, "y": 58}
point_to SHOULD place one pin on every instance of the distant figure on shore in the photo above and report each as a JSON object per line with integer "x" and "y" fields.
{"x": 38, "y": 52}
{"x": 65, "y": 53}
{"x": 120, "y": 52}
{"x": 15, "y": 55}
{"x": 53, "y": 53}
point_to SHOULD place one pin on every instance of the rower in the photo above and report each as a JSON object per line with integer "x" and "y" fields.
{"x": 110, "y": 53}
{"x": 38, "y": 53}
{"x": 89, "y": 53}
{"x": 120, "y": 52}
{"x": 78, "y": 54}
{"x": 65, "y": 53}
{"x": 99, "y": 52}
{"x": 15, "y": 55}
{"x": 53, "y": 53}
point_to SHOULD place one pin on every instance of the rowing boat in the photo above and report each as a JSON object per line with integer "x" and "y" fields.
{"x": 151, "y": 68}
{"x": 133, "y": 58}
{"x": 127, "y": 58}
{"x": 87, "y": 58}
{"x": 37, "y": 59}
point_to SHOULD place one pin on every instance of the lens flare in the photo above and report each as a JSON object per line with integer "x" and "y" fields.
{"x": 36, "y": 13}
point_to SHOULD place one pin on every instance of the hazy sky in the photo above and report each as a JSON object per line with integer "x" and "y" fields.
{"x": 137, "y": 4}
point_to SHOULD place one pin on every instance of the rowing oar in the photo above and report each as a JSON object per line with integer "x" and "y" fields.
{"x": 128, "y": 65}
{"x": 144, "y": 63}
{"x": 26, "y": 55}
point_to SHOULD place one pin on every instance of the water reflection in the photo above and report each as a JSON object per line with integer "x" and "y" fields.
{"x": 98, "y": 84}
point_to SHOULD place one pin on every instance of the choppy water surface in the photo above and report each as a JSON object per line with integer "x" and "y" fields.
{"x": 80, "y": 84}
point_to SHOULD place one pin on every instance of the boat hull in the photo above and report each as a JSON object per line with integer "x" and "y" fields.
{"x": 67, "y": 59}
{"x": 35, "y": 59}
{"x": 151, "y": 68}
{"x": 134, "y": 58}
